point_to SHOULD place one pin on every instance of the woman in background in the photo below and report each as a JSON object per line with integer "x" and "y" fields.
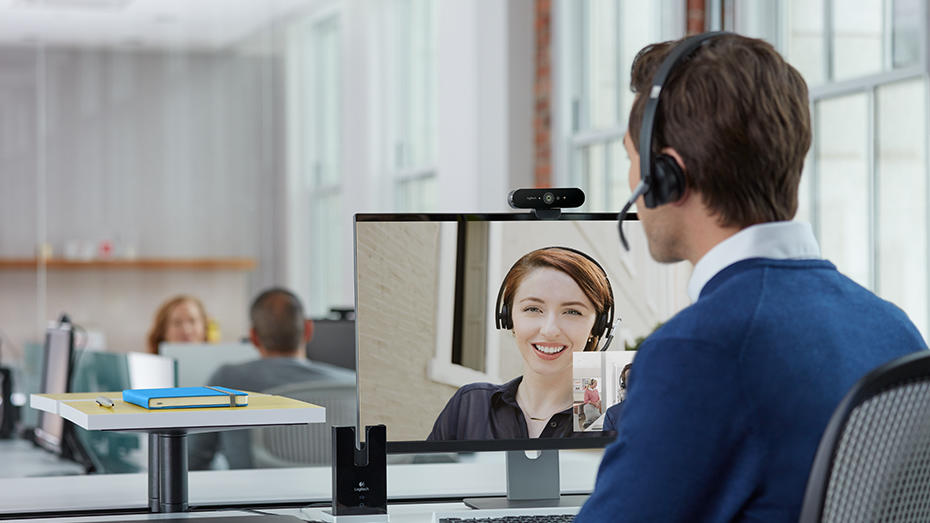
{"x": 181, "y": 319}
{"x": 555, "y": 301}
{"x": 592, "y": 403}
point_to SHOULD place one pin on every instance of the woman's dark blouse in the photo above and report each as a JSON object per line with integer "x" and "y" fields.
{"x": 481, "y": 411}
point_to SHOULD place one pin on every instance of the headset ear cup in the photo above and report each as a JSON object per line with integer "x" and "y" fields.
{"x": 504, "y": 319}
{"x": 600, "y": 325}
{"x": 668, "y": 181}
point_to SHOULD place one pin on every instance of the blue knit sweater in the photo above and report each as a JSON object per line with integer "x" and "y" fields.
{"x": 729, "y": 398}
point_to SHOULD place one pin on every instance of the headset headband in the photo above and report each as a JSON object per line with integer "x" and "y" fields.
{"x": 678, "y": 54}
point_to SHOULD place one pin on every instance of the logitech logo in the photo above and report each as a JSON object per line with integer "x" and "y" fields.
{"x": 361, "y": 487}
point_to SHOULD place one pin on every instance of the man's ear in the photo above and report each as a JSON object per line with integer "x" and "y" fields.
{"x": 308, "y": 330}
{"x": 253, "y": 337}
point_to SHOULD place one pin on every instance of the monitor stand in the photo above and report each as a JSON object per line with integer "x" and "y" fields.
{"x": 532, "y": 482}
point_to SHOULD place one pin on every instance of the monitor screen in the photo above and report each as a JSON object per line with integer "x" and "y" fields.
{"x": 150, "y": 371}
{"x": 59, "y": 345}
{"x": 445, "y": 368}
{"x": 333, "y": 342}
{"x": 196, "y": 362}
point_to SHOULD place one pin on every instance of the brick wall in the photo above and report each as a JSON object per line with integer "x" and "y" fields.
{"x": 695, "y": 22}
{"x": 542, "y": 107}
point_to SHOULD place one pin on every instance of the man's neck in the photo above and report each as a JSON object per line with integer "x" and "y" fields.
{"x": 703, "y": 230}
{"x": 275, "y": 354}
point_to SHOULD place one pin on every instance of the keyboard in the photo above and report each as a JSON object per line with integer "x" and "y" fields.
{"x": 538, "y": 518}
{"x": 536, "y": 515}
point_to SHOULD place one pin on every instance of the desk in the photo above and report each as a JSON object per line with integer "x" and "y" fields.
{"x": 398, "y": 513}
{"x": 168, "y": 429}
{"x": 479, "y": 475}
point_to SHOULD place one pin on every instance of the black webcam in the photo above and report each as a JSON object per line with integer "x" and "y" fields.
{"x": 546, "y": 204}
{"x": 559, "y": 198}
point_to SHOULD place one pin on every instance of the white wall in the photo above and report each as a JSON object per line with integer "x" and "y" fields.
{"x": 174, "y": 154}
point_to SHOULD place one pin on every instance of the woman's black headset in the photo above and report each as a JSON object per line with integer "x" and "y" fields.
{"x": 661, "y": 179}
{"x": 603, "y": 323}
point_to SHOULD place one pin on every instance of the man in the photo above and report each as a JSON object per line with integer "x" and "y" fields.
{"x": 280, "y": 332}
{"x": 729, "y": 398}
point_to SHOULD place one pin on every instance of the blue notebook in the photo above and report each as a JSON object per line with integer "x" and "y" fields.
{"x": 186, "y": 397}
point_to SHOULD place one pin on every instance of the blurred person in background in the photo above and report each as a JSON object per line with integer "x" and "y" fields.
{"x": 181, "y": 319}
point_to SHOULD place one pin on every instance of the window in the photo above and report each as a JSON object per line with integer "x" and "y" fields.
{"x": 901, "y": 206}
{"x": 864, "y": 185}
{"x": 600, "y": 39}
{"x": 315, "y": 138}
{"x": 831, "y": 41}
{"x": 843, "y": 184}
{"x": 409, "y": 104}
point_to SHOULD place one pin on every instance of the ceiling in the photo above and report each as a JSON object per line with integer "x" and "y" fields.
{"x": 186, "y": 24}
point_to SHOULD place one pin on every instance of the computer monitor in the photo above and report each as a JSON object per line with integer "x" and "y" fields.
{"x": 111, "y": 372}
{"x": 56, "y": 372}
{"x": 52, "y": 432}
{"x": 427, "y": 307}
{"x": 197, "y": 361}
{"x": 151, "y": 371}
{"x": 333, "y": 342}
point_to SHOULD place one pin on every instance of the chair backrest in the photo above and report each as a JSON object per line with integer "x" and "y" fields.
{"x": 873, "y": 462}
{"x": 303, "y": 445}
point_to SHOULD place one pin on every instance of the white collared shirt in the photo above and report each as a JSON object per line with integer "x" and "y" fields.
{"x": 773, "y": 240}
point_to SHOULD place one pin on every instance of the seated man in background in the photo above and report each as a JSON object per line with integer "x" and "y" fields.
{"x": 280, "y": 332}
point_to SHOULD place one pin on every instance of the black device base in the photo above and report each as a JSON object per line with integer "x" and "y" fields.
{"x": 359, "y": 473}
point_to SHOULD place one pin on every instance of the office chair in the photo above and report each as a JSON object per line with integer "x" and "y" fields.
{"x": 296, "y": 445}
{"x": 873, "y": 462}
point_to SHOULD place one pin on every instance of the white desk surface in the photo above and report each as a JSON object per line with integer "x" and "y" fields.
{"x": 485, "y": 476}
{"x": 263, "y": 409}
{"x": 398, "y": 513}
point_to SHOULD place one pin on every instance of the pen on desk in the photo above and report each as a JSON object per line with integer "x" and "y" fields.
{"x": 105, "y": 402}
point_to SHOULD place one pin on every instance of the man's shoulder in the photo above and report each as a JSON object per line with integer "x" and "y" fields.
{"x": 233, "y": 372}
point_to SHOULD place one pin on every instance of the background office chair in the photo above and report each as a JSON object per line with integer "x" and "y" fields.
{"x": 873, "y": 463}
{"x": 295, "y": 445}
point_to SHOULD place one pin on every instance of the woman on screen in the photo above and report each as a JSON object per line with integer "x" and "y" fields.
{"x": 181, "y": 319}
{"x": 555, "y": 301}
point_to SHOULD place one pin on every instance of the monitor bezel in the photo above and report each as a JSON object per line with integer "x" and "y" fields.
{"x": 580, "y": 441}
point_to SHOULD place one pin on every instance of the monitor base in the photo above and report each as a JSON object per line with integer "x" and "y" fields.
{"x": 575, "y": 500}
{"x": 329, "y": 517}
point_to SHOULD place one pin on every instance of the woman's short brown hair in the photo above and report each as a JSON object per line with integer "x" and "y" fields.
{"x": 585, "y": 272}
{"x": 160, "y": 325}
{"x": 738, "y": 115}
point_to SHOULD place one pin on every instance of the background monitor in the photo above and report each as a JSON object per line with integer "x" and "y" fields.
{"x": 56, "y": 371}
{"x": 197, "y": 361}
{"x": 426, "y": 296}
{"x": 333, "y": 342}
{"x": 114, "y": 452}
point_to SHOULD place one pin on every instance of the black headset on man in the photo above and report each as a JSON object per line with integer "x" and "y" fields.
{"x": 603, "y": 324}
{"x": 661, "y": 178}
{"x": 661, "y": 181}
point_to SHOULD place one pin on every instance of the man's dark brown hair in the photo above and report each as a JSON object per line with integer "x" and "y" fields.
{"x": 278, "y": 319}
{"x": 738, "y": 115}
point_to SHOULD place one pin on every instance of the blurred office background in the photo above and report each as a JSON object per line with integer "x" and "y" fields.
{"x": 217, "y": 147}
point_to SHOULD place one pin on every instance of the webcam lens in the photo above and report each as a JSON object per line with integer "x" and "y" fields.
{"x": 548, "y": 198}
